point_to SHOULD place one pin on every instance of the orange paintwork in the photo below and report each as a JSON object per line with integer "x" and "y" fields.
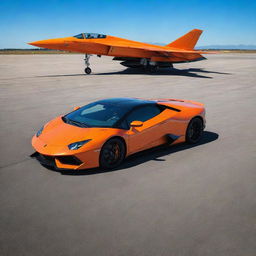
{"x": 57, "y": 135}
{"x": 180, "y": 50}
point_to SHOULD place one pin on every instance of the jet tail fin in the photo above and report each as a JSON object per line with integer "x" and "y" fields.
{"x": 188, "y": 41}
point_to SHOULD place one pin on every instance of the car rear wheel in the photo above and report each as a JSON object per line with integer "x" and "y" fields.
{"x": 194, "y": 131}
{"x": 112, "y": 153}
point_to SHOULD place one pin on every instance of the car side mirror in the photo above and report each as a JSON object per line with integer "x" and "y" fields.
{"x": 76, "y": 108}
{"x": 136, "y": 124}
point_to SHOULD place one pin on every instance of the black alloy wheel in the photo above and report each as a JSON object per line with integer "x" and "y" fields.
{"x": 194, "y": 131}
{"x": 112, "y": 153}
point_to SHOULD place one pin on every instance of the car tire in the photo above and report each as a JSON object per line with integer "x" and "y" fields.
{"x": 112, "y": 154}
{"x": 194, "y": 131}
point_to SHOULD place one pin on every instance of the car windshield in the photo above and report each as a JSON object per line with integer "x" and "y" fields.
{"x": 89, "y": 36}
{"x": 97, "y": 114}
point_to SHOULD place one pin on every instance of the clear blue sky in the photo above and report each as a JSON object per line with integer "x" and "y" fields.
{"x": 223, "y": 21}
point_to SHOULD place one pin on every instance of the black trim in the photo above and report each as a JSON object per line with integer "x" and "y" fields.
{"x": 50, "y": 160}
{"x": 174, "y": 109}
{"x": 44, "y": 159}
{"x": 171, "y": 138}
{"x": 71, "y": 160}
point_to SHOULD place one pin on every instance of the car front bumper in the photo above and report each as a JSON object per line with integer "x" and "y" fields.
{"x": 65, "y": 161}
{"x": 59, "y": 158}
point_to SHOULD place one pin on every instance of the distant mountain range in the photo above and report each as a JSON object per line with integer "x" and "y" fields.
{"x": 229, "y": 47}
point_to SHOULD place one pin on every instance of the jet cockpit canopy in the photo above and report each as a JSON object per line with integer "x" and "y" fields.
{"x": 89, "y": 36}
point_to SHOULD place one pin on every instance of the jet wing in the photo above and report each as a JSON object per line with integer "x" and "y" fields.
{"x": 160, "y": 50}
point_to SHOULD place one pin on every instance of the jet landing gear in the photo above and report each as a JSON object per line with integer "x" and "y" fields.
{"x": 87, "y": 70}
{"x": 149, "y": 66}
{"x": 153, "y": 69}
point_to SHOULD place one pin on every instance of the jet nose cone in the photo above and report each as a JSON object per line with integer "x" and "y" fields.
{"x": 49, "y": 44}
{"x": 41, "y": 43}
{"x": 32, "y": 43}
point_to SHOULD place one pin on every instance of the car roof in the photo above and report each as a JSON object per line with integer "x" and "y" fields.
{"x": 128, "y": 103}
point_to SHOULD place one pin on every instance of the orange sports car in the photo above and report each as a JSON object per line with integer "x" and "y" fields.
{"x": 103, "y": 133}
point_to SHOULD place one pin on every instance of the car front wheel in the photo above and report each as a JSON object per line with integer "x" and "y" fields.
{"x": 112, "y": 153}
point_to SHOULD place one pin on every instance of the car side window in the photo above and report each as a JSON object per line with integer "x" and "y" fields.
{"x": 143, "y": 113}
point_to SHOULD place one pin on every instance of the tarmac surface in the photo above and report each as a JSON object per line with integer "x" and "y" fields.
{"x": 178, "y": 200}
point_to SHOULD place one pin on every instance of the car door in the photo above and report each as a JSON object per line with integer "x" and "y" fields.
{"x": 150, "y": 133}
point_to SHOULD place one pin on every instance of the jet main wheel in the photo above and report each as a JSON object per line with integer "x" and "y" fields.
{"x": 194, "y": 131}
{"x": 87, "y": 70}
{"x": 112, "y": 153}
{"x": 153, "y": 69}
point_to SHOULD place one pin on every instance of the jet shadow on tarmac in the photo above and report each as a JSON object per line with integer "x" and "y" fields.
{"x": 190, "y": 72}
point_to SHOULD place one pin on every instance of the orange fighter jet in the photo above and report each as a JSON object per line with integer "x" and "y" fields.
{"x": 132, "y": 54}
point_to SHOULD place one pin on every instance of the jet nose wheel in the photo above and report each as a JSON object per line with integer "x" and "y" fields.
{"x": 87, "y": 70}
{"x": 87, "y": 64}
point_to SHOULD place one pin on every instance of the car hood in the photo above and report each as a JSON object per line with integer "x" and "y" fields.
{"x": 59, "y": 133}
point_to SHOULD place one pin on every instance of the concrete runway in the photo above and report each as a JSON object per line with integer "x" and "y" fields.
{"x": 177, "y": 201}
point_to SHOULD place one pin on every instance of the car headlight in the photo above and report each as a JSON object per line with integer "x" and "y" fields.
{"x": 39, "y": 132}
{"x": 77, "y": 145}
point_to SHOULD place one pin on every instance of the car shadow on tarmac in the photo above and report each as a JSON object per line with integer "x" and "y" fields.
{"x": 190, "y": 72}
{"x": 153, "y": 154}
